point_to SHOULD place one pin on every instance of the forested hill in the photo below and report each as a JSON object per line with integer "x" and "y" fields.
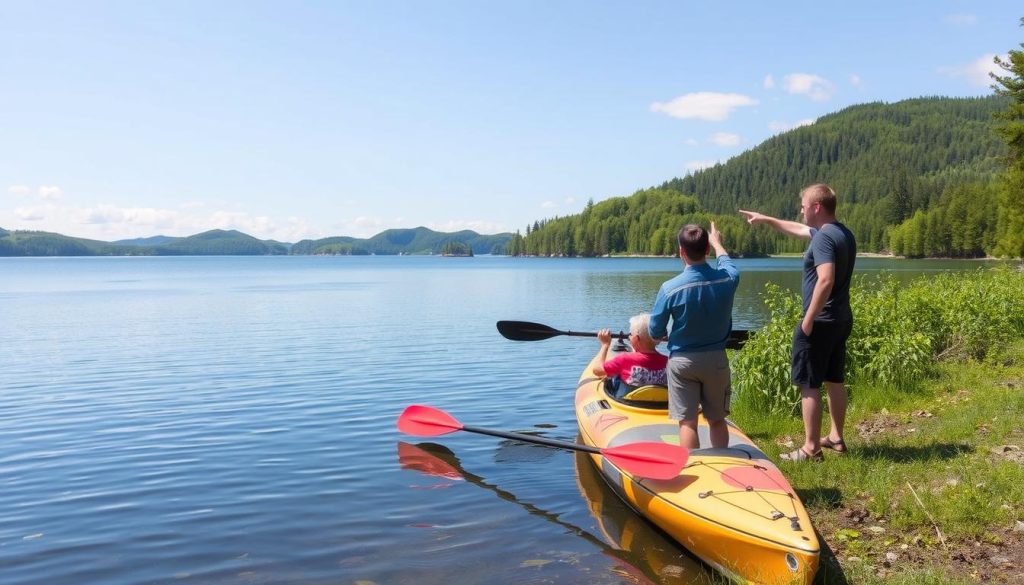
{"x": 419, "y": 240}
{"x": 213, "y": 242}
{"x": 234, "y": 243}
{"x": 886, "y": 162}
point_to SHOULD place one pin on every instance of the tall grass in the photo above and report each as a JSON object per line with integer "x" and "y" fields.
{"x": 901, "y": 330}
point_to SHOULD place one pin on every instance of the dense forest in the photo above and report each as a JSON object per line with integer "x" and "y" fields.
{"x": 456, "y": 249}
{"x": 919, "y": 178}
{"x": 234, "y": 243}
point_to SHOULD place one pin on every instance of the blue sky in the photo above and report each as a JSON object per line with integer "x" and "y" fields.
{"x": 293, "y": 120}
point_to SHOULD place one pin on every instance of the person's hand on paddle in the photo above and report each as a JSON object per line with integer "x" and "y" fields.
{"x": 605, "y": 337}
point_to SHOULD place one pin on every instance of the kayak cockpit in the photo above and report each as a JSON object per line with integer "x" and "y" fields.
{"x": 650, "y": 397}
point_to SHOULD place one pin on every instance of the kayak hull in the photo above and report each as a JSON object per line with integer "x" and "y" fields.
{"x": 730, "y": 507}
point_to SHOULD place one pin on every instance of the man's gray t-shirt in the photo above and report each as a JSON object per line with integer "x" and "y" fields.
{"x": 832, "y": 243}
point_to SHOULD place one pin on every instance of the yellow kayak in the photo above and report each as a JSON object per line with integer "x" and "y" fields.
{"x": 730, "y": 507}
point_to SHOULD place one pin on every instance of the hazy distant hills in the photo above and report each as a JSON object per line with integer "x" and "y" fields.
{"x": 152, "y": 241}
{"x": 405, "y": 241}
{"x": 234, "y": 243}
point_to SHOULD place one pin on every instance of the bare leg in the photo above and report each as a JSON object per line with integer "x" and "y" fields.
{"x": 837, "y": 401}
{"x": 719, "y": 431}
{"x": 810, "y": 407}
{"x": 688, "y": 436}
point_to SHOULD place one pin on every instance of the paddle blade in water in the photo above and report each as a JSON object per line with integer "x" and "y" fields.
{"x": 649, "y": 459}
{"x": 425, "y": 421}
{"x": 418, "y": 458}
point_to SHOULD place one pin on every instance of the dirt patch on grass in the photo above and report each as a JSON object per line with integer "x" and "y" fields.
{"x": 879, "y": 424}
{"x": 1011, "y": 453}
{"x": 856, "y": 536}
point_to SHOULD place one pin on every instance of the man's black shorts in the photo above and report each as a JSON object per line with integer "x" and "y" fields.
{"x": 822, "y": 356}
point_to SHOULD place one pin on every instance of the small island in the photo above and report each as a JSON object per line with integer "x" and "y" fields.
{"x": 456, "y": 249}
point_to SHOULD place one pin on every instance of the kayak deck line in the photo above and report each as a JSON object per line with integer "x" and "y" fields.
{"x": 641, "y": 483}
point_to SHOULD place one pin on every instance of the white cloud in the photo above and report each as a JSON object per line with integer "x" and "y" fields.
{"x": 696, "y": 165}
{"x": 367, "y": 222}
{"x": 855, "y": 80}
{"x": 37, "y": 213}
{"x": 961, "y": 19}
{"x": 43, "y": 192}
{"x": 976, "y": 73}
{"x": 478, "y": 226}
{"x": 357, "y": 227}
{"x": 570, "y": 200}
{"x": 704, "y": 105}
{"x": 112, "y": 222}
{"x": 724, "y": 139}
{"x": 147, "y": 217}
{"x": 548, "y": 205}
{"x": 769, "y": 82}
{"x": 782, "y": 126}
{"x": 49, "y": 192}
{"x": 815, "y": 87}
{"x": 691, "y": 142}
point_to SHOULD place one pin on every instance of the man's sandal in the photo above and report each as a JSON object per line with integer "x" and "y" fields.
{"x": 837, "y": 446}
{"x": 801, "y": 455}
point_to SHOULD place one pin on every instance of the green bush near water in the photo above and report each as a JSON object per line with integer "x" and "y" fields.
{"x": 901, "y": 330}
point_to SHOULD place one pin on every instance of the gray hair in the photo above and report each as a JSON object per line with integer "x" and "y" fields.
{"x": 640, "y": 324}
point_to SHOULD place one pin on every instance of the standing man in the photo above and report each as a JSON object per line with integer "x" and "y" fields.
{"x": 699, "y": 302}
{"x": 819, "y": 342}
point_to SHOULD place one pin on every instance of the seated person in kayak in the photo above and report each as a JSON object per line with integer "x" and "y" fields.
{"x": 643, "y": 366}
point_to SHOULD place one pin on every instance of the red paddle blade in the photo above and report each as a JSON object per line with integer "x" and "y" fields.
{"x": 426, "y": 421}
{"x": 649, "y": 459}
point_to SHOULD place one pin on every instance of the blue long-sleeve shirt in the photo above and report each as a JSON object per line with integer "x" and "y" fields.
{"x": 699, "y": 302}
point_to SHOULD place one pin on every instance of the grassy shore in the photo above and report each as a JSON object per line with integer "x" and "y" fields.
{"x": 932, "y": 488}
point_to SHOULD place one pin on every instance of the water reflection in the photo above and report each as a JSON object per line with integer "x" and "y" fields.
{"x": 639, "y": 553}
{"x": 636, "y": 542}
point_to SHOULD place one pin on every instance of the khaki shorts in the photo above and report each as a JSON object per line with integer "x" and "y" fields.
{"x": 699, "y": 380}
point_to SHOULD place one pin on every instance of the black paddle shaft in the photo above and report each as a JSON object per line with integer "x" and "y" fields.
{"x": 527, "y": 331}
{"x": 619, "y": 335}
{"x": 532, "y": 439}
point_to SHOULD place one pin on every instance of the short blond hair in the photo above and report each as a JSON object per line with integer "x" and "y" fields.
{"x": 820, "y": 193}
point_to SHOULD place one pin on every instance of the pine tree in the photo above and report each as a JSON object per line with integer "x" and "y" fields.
{"x": 1010, "y": 230}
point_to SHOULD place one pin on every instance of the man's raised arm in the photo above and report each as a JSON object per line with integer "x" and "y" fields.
{"x": 792, "y": 228}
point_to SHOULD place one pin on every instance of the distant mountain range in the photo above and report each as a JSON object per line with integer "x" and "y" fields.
{"x": 419, "y": 240}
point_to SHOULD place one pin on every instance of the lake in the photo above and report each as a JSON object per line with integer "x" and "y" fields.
{"x": 197, "y": 420}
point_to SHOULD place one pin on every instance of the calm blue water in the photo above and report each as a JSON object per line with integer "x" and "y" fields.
{"x": 232, "y": 419}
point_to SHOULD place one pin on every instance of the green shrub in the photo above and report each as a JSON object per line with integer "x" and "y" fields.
{"x": 900, "y": 331}
{"x": 761, "y": 370}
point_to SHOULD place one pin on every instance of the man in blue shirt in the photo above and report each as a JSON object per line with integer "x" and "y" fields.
{"x": 819, "y": 341}
{"x": 699, "y": 303}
